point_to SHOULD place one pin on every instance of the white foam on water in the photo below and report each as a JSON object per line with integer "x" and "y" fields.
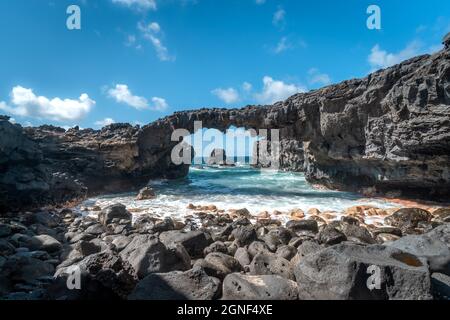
{"x": 235, "y": 188}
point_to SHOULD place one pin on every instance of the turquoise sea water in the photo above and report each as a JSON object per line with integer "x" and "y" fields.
{"x": 234, "y": 188}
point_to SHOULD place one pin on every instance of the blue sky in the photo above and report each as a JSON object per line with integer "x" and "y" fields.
{"x": 139, "y": 60}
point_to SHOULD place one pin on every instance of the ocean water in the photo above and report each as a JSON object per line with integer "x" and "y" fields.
{"x": 235, "y": 188}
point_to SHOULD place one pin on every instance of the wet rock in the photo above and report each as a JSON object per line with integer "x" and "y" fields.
{"x": 244, "y": 235}
{"x": 408, "y": 218}
{"x": 146, "y": 194}
{"x": 359, "y": 233}
{"x": 387, "y": 229}
{"x": 25, "y": 268}
{"x": 340, "y": 272}
{"x": 194, "y": 241}
{"x": 297, "y": 214}
{"x": 112, "y": 212}
{"x": 95, "y": 229}
{"x": 442, "y": 214}
{"x": 303, "y": 225}
{"x": 193, "y": 284}
{"x": 218, "y": 264}
{"x": 22, "y": 240}
{"x": 165, "y": 225}
{"x": 330, "y": 236}
{"x": 386, "y": 237}
{"x": 258, "y": 287}
{"x": 264, "y": 263}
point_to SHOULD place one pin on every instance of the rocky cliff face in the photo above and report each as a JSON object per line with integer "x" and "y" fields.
{"x": 388, "y": 133}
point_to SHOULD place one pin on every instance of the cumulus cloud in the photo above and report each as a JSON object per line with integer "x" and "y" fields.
{"x": 122, "y": 94}
{"x": 380, "y": 59}
{"x": 26, "y": 104}
{"x": 159, "y": 104}
{"x": 276, "y": 90}
{"x": 229, "y": 95}
{"x": 139, "y": 4}
{"x": 152, "y": 33}
{"x": 247, "y": 87}
{"x": 317, "y": 77}
{"x": 104, "y": 122}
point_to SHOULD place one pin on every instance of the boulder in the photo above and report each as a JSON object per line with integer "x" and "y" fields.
{"x": 115, "y": 212}
{"x": 146, "y": 194}
{"x": 435, "y": 251}
{"x": 217, "y": 246}
{"x": 48, "y": 243}
{"x": 5, "y": 230}
{"x": 193, "y": 284}
{"x": 218, "y": 264}
{"x": 244, "y": 235}
{"x": 342, "y": 272}
{"x": 242, "y": 256}
{"x": 357, "y": 233}
{"x": 330, "y": 236}
{"x": 47, "y": 219}
{"x": 257, "y": 247}
{"x": 271, "y": 264}
{"x": 407, "y": 219}
{"x": 440, "y": 286}
{"x": 287, "y": 252}
{"x": 194, "y": 241}
{"x": 146, "y": 254}
{"x": 303, "y": 225}
{"x": 237, "y": 286}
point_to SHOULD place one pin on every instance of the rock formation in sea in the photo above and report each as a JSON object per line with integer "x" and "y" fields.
{"x": 387, "y": 134}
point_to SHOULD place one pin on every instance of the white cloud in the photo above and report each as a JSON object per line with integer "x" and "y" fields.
{"x": 316, "y": 77}
{"x": 260, "y": 1}
{"x": 247, "y": 87}
{"x": 380, "y": 59}
{"x": 276, "y": 90}
{"x": 282, "y": 45}
{"x": 228, "y": 96}
{"x": 150, "y": 32}
{"x": 279, "y": 17}
{"x": 122, "y": 94}
{"x": 104, "y": 122}
{"x": 26, "y": 104}
{"x": 139, "y": 4}
{"x": 159, "y": 104}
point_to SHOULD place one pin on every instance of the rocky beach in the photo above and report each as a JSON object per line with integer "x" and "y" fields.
{"x": 384, "y": 136}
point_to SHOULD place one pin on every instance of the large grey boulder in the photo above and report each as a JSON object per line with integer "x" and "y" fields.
{"x": 218, "y": 264}
{"x": 48, "y": 243}
{"x": 194, "y": 241}
{"x": 264, "y": 263}
{"x": 435, "y": 251}
{"x": 237, "y": 286}
{"x": 193, "y": 284}
{"x": 342, "y": 272}
{"x": 114, "y": 212}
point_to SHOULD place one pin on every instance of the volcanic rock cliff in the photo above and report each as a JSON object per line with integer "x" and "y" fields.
{"x": 388, "y": 133}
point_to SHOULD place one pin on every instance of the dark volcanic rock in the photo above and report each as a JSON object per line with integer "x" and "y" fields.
{"x": 342, "y": 272}
{"x": 263, "y": 287}
{"x": 271, "y": 264}
{"x": 115, "y": 211}
{"x": 380, "y": 134}
{"x": 194, "y": 241}
{"x": 218, "y": 264}
{"x": 408, "y": 218}
{"x": 193, "y": 284}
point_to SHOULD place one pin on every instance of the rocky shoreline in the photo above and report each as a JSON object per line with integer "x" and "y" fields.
{"x": 228, "y": 255}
